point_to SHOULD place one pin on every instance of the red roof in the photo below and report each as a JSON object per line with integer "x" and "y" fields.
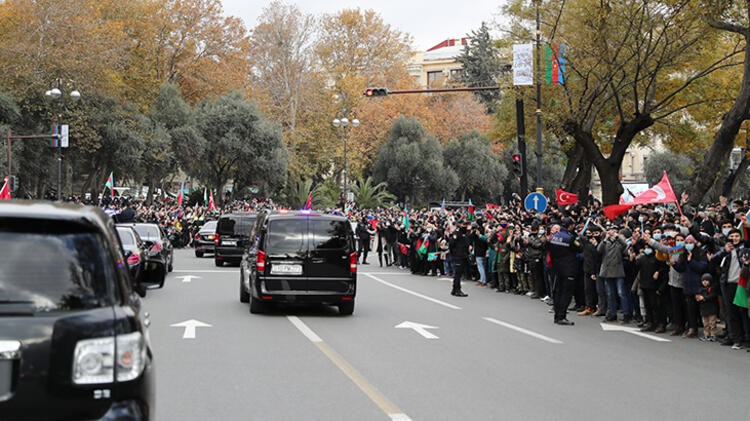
{"x": 450, "y": 43}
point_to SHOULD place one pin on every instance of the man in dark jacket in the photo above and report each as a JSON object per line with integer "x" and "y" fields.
{"x": 592, "y": 261}
{"x": 458, "y": 244}
{"x": 563, "y": 249}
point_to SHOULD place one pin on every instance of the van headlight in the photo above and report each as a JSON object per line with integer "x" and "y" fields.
{"x": 94, "y": 360}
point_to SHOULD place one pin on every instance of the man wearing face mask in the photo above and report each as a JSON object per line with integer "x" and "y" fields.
{"x": 563, "y": 248}
{"x": 612, "y": 271}
{"x": 536, "y": 248}
{"x": 738, "y": 325}
{"x": 692, "y": 264}
{"x": 458, "y": 244}
{"x": 652, "y": 275}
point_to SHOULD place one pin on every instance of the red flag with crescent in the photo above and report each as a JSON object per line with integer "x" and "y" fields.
{"x": 566, "y": 198}
{"x": 662, "y": 192}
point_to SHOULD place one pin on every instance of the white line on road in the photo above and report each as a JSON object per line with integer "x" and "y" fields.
{"x": 205, "y": 271}
{"x": 522, "y": 330}
{"x": 375, "y": 395}
{"x": 304, "y": 329}
{"x": 416, "y": 294}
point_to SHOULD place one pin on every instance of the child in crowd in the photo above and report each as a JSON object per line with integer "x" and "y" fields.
{"x": 709, "y": 307}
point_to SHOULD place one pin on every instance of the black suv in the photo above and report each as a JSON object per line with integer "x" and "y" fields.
{"x": 74, "y": 342}
{"x": 300, "y": 257}
{"x": 232, "y": 232}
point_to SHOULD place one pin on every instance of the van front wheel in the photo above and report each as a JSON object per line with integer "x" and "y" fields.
{"x": 346, "y": 309}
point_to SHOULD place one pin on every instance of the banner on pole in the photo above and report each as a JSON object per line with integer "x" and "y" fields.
{"x": 523, "y": 64}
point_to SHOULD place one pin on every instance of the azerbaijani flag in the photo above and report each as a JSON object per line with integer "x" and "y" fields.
{"x": 554, "y": 59}
{"x": 442, "y": 206}
{"x": 471, "y": 214}
{"x": 740, "y": 297}
{"x": 179, "y": 195}
{"x": 110, "y": 184}
{"x": 422, "y": 248}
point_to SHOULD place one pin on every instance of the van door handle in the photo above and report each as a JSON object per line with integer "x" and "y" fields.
{"x": 318, "y": 260}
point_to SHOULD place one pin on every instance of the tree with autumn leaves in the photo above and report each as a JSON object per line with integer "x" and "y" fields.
{"x": 638, "y": 72}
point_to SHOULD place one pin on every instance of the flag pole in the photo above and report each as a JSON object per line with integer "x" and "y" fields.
{"x": 677, "y": 201}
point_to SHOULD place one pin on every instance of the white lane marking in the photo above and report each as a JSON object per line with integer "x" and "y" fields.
{"x": 633, "y": 331}
{"x": 304, "y": 329}
{"x": 522, "y": 330}
{"x": 190, "y": 326}
{"x": 188, "y": 278}
{"x": 205, "y": 271}
{"x": 416, "y": 294}
{"x": 375, "y": 395}
{"x": 419, "y": 328}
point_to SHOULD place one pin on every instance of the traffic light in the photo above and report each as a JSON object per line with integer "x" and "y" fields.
{"x": 13, "y": 183}
{"x": 517, "y": 165}
{"x": 370, "y": 92}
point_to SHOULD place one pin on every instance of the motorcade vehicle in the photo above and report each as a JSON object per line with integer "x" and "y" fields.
{"x": 232, "y": 232}
{"x": 159, "y": 247}
{"x": 204, "y": 239}
{"x": 136, "y": 250}
{"x": 74, "y": 342}
{"x": 299, "y": 258}
{"x": 143, "y": 265}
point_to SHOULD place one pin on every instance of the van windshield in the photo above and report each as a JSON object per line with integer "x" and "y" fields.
{"x": 286, "y": 236}
{"x": 60, "y": 270}
{"x": 329, "y": 234}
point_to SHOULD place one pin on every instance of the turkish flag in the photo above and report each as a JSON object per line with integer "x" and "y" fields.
{"x": 566, "y": 198}
{"x": 613, "y": 211}
{"x": 662, "y": 192}
{"x": 492, "y": 206}
{"x": 5, "y": 191}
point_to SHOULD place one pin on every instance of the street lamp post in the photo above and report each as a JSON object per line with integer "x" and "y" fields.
{"x": 344, "y": 124}
{"x": 56, "y": 94}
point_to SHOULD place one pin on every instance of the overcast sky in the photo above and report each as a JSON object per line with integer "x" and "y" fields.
{"x": 428, "y": 22}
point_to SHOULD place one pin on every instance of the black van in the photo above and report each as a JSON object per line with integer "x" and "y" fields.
{"x": 74, "y": 342}
{"x": 232, "y": 232}
{"x": 300, "y": 257}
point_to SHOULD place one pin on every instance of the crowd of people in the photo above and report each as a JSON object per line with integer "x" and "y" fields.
{"x": 653, "y": 267}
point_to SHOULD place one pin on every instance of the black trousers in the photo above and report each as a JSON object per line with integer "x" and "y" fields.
{"x": 691, "y": 311}
{"x": 459, "y": 269}
{"x": 678, "y": 308}
{"x": 563, "y": 294}
{"x": 654, "y": 304}
{"x": 537, "y": 276}
{"x": 589, "y": 288}
{"x": 737, "y": 319}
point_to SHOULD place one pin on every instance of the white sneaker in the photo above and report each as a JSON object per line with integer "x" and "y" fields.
{"x": 529, "y": 294}
{"x": 736, "y": 346}
{"x": 546, "y": 298}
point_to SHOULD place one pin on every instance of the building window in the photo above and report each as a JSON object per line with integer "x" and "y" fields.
{"x": 435, "y": 79}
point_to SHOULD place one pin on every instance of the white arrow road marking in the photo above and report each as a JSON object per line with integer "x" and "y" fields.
{"x": 188, "y": 278}
{"x": 419, "y": 328}
{"x": 633, "y": 331}
{"x": 372, "y": 392}
{"x": 522, "y": 330}
{"x": 190, "y": 326}
{"x": 416, "y": 294}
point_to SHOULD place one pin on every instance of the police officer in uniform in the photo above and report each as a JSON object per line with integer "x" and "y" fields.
{"x": 563, "y": 248}
{"x": 458, "y": 245}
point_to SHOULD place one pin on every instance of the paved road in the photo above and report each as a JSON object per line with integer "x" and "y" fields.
{"x": 489, "y": 357}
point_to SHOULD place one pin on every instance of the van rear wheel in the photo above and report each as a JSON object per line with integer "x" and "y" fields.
{"x": 346, "y": 309}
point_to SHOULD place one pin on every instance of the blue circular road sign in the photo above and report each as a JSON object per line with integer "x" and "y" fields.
{"x": 536, "y": 202}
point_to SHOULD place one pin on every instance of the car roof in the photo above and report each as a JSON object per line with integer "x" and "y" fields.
{"x": 238, "y": 215}
{"x": 67, "y": 212}
{"x": 305, "y": 214}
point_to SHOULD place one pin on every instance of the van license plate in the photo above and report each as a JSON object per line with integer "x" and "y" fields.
{"x": 229, "y": 243}
{"x": 286, "y": 269}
